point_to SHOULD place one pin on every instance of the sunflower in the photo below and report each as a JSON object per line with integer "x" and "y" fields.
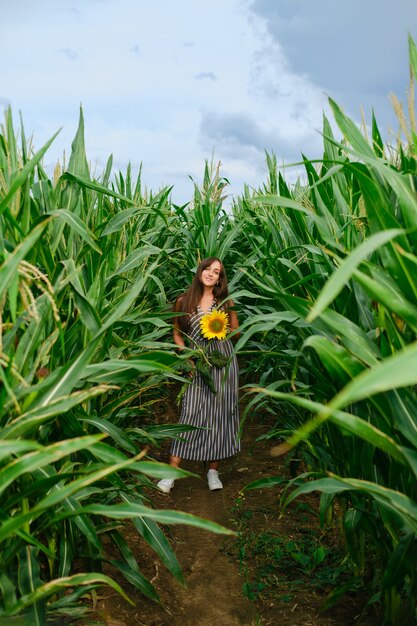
{"x": 215, "y": 325}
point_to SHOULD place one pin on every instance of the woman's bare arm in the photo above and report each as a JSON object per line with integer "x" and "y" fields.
{"x": 178, "y": 338}
{"x": 233, "y": 321}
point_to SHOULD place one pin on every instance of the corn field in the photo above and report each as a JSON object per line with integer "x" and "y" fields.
{"x": 323, "y": 273}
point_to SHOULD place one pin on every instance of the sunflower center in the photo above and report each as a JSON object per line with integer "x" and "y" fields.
{"x": 216, "y": 326}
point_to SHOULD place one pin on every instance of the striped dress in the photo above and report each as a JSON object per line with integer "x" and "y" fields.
{"x": 216, "y": 414}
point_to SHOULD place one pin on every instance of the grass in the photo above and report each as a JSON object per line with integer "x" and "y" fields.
{"x": 283, "y": 563}
{"x": 286, "y": 560}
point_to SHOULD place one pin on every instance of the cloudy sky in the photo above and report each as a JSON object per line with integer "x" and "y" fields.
{"x": 170, "y": 84}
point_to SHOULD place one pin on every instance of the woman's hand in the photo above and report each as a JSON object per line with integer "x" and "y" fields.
{"x": 192, "y": 370}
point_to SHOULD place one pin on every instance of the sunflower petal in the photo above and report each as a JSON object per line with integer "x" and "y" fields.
{"x": 214, "y": 325}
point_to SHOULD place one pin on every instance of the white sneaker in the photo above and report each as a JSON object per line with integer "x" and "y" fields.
{"x": 214, "y": 481}
{"x": 166, "y": 484}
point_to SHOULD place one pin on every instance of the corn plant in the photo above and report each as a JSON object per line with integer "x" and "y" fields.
{"x": 338, "y": 277}
{"x": 81, "y": 321}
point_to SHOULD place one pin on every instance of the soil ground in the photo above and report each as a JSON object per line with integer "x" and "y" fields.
{"x": 214, "y": 580}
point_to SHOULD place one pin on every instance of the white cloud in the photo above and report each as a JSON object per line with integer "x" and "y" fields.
{"x": 356, "y": 51}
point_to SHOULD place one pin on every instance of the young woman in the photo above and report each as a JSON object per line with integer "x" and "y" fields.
{"x": 216, "y": 415}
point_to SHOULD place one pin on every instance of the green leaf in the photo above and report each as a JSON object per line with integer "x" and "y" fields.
{"x": 265, "y": 483}
{"x": 84, "y": 524}
{"x": 77, "y": 226}
{"x": 384, "y": 290}
{"x": 70, "y": 375}
{"x": 8, "y": 594}
{"x": 136, "y": 258}
{"x": 29, "y": 581}
{"x": 88, "y": 314}
{"x": 133, "y": 510}
{"x": 125, "y": 302}
{"x": 395, "y": 572}
{"x": 347, "y": 267}
{"x": 390, "y": 499}
{"x": 39, "y": 458}
{"x": 9, "y": 447}
{"x": 351, "y": 132}
{"x": 156, "y": 539}
{"x": 117, "y": 222}
{"x": 338, "y": 361}
{"x": 376, "y": 137}
{"x": 23, "y": 175}
{"x": 137, "y": 579}
{"x": 27, "y": 422}
{"x": 394, "y": 372}
{"x": 351, "y": 423}
{"x": 58, "y": 584}
{"x": 9, "y": 268}
{"x": 161, "y": 470}
{"x": 115, "y": 433}
{"x": 78, "y": 160}
{"x": 115, "y": 371}
{"x": 88, "y": 184}
{"x": 65, "y": 491}
{"x": 352, "y": 526}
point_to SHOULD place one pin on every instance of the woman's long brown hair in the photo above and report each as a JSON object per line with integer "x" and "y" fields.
{"x": 188, "y": 301}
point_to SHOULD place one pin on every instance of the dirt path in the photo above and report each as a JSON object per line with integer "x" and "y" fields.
{"x": 213, "y": 592}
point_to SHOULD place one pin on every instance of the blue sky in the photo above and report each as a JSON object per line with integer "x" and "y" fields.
{"x": 169, "y": 84}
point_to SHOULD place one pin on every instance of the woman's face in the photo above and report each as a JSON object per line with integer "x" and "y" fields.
{"x": 211, "y": 274}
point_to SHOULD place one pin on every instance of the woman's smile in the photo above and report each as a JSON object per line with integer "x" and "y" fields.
{"x": 210, "y": 275}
